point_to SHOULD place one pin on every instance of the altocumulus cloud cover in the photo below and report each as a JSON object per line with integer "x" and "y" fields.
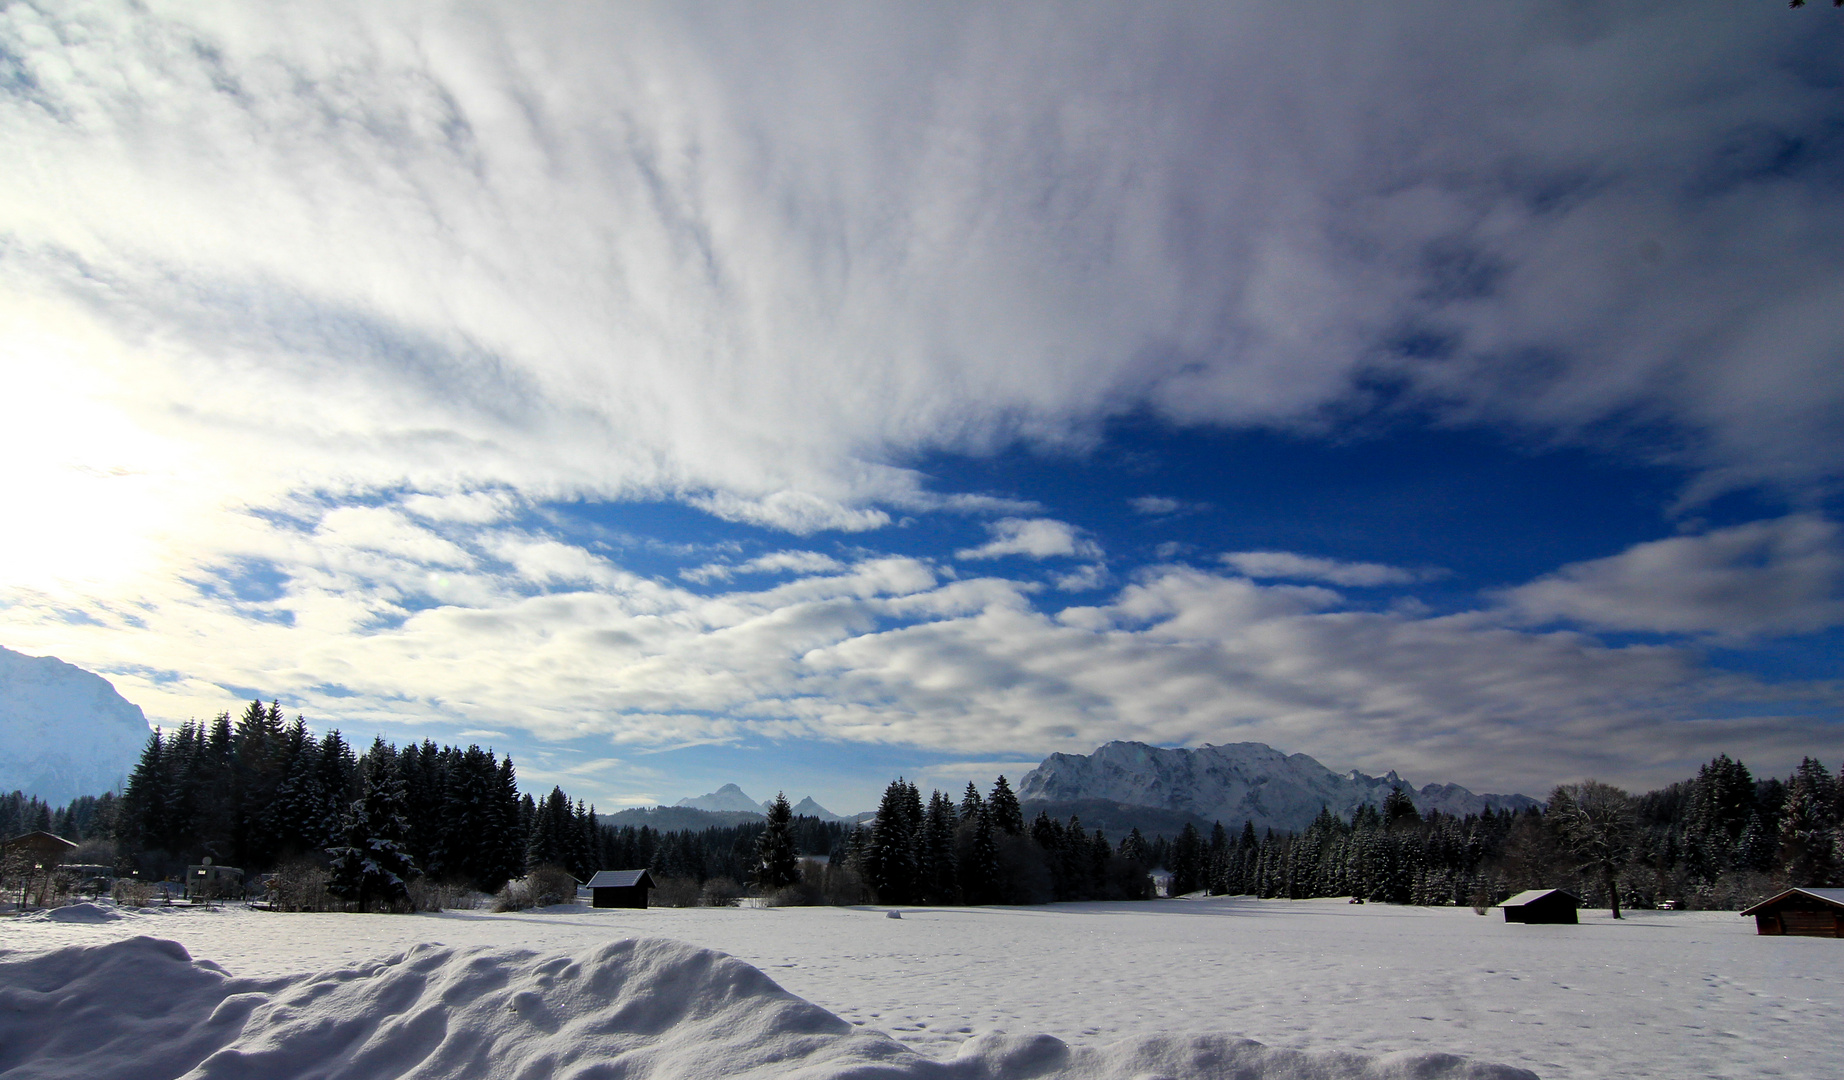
{"x": 690, "y": 394}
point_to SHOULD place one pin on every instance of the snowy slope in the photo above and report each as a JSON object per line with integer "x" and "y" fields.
{"x": 1233, "y": 783}
{"x": 632, "y": 1009}
{"x": 64, "y": 732}
{"x": 727, "y": 799}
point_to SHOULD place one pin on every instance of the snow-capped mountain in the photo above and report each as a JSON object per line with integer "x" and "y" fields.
{"x": 726, "y": 799}
{"x": 1235, "y": 782}
{"x": 64, "y": 731}
{"x": 808, "y": 808}
{"x": 730, "y": 799}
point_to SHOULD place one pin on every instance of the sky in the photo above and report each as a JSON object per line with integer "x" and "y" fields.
{"x": 672, "y": 395}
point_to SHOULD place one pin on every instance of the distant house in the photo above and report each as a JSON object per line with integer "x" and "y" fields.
{"x": 620, "y": 888}
{"x": 1803, "y": 912}
{"x": 40, "y": 848}
{"x": 1542, "y": 906}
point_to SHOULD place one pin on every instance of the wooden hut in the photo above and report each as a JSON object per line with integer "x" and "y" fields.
{"x": 1804, "y": 912}
{"x": 1542, "y": 906}
{"x": 620, "y": 888}
{"x": 41, "y": 849}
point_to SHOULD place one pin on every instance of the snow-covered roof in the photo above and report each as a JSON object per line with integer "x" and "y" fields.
{"x": 40, "y": 838}
{"x": 618, "y": 879}
{"x": 1834, "y": 897}
{"x": 1529, "y": 895}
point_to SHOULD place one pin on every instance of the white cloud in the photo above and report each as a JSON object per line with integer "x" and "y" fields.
{"x": 1038, "y": 538}
{"x": 791, "y": 511}
{"x": 587, "y": 253}
{"x": 775, "y": 562}
{"x": 383, "y": 530}
{"x": 887, "y": 651}
{"x": 1760, "y": 579}
{"x": 469, "y": 507}
{"x": 329, "y": 253}
{"x": 1155, "y": 504}
{"x": 1082, "y": 578}
{"x": 1286, "y": 564}
{"x": 1164, "y": 505}
{"x": 543, "y": 561}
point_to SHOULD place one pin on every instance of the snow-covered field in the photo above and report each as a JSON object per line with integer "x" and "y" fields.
{"x": 1660, "y": 994}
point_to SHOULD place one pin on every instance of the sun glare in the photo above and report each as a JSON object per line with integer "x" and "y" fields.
{"x": 87, "y": 489}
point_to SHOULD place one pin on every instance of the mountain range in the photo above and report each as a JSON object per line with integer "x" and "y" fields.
{"x": 1233, "y": 783}
{"x": 730, "y": 799}
{"x": 64, "y": 731}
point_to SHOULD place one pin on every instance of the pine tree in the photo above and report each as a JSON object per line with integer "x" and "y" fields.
{"x": 371, "y": 866}
{"x": 777, "y": 859}
{"x": 299, "y": 799}
{"x": 1216, "y": 861}
{"x": 1007, "y": 815}
{"x": 335, "y": 783}
{"x": 255, "y": 776}
{"x": 1187, "y": 862}
{"x": 890, "y": 860}
{"x": 511, "y": 815}
{"x": 550, "y": 831}
{"x": 971, "y": 803}
{"x": 940, "y": 880}
{"x": 1399, "y": 809}
{"x": 1720, "y": 806}
{"x": 978, "y": 870}
{"x": 1808, "y": 823}
{"x": 146, "y": 808}
{"x": 1133, "y": 847}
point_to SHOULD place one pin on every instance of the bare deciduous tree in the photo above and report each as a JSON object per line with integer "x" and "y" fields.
{"x": 1596, "y": 825}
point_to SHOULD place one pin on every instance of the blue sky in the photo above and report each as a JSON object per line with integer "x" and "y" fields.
{"x": 673, "y": 397}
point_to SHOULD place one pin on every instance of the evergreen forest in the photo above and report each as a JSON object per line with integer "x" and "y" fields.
{"x": 262, "y": 793}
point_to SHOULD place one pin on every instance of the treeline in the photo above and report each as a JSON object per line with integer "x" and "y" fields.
{"x": 1389, "y": 855}
{"x": 86, "y": 818}
{"x": 257, "y": 793}
{"x": 1719, "y": 840}
{"x": 980, "y": 852}
{"x": 721, "y": 852}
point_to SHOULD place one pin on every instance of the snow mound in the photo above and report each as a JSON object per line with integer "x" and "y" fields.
{"x": 85, "y": 912}
{"x": 628, "y": 1009}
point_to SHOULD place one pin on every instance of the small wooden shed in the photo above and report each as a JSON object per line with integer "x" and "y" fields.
{"x": 40, "y": 848}
{"x": 619, "y": 888}
{"x": 1542, "y": 906}
{"x": 1804, "y": 912}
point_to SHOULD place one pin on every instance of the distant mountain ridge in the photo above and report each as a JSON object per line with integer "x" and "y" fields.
{"x": 64, "y": 731}
{"x": 1235, "y": 782}
{"x": 730, "y": 799}
{"x": 679, "y": 818}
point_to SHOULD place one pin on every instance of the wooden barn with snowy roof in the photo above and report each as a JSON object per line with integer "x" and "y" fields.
{"x": 1542, "y": 906}
{"x": 1802, "y": 912}
{"x": 619, "y": 888}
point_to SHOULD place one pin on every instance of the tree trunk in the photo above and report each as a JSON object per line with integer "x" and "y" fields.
{"x": 1613, "y": 893}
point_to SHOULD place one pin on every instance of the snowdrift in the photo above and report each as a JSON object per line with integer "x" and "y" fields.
{"x": 85, "y": 912}
{"x": 142, "y": 1009}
